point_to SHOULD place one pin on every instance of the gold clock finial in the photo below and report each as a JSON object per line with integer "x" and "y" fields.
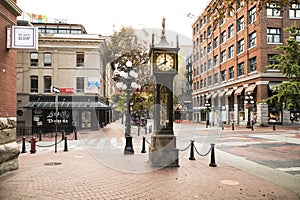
{"x": 163, "y": 25}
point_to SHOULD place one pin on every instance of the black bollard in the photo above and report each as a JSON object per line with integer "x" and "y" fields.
{"x": 62, "y": 134}
{"x": 252, "y": 129}
{"x": 222, "y": 125}
{"x": 212, "y": 157}
{"x": 66, "y": 144}
{"x": 274, "y": 129}
{"x": 232, "y": 126}
{"x": 75, "y": 133}
{"x": 139, "y": 129}
{"x": 143, "y": 147}
{"x": 40, "y": 135}
{"x": 23, "y": 145}
{"x": 192, "y": 157}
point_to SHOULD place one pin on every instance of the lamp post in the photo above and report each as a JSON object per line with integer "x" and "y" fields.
{"x": 207, "y": 105}
{"x": 249, "y": 103}
{"x": 126, "y": 82}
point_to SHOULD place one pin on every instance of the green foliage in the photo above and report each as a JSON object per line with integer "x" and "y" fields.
{"x": 289, "y": 65}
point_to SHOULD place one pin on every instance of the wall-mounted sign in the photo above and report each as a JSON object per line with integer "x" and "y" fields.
{"x": 23, "y": 37}
{"x": 67, "y": 90}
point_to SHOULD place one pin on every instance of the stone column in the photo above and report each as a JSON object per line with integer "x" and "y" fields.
{"x": 286, "y": 117}
{"x": 262, "y": 114}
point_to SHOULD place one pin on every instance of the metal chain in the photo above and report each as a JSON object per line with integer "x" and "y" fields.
{"x": 185, "y": 148}
{"x": 200, "y": 153}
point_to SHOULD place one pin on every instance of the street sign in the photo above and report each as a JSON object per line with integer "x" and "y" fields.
{"x": 55, "y": 89}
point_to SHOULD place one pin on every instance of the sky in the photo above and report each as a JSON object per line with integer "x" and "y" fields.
{"x": 104, "y": 17}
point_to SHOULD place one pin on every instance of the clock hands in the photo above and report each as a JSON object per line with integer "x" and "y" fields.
{"x": 163, "y": 63}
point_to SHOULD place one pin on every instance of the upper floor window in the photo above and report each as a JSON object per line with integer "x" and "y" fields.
{"x": 47, "y": 59}
{"x": 216, "y": 60}
{"x": 209, "y": 47}
{"x": 47, "y": 84}
{"x": 271, "y": 59}
{"x": 79, "y": 59}
{"x": 240, "y": 46}
{"x": 230, "y": 52}
{"x": 223, "y": 56}
{"x": 252, "y": 40}
{"x": 273, "y": 10}
{"x": 208, "y": 31}
{"x": 222, "y": 21}
{"x": 274, "y": 35}
{"x": 231, "y": 73}
{"x": 223, "y": 75}
{"x": 34, "y": 84}
{"x": 34, "y": 59}
{"x": 223, "y": 37}
{"x": 209, "y": 80}
{"x": 239, "y": 4}
{"x": 240, "y": 24}
{"x": 80, "y": 84}
{"x": 204, "y": 83}
{"x": 252, "y": 15}
{"x": 216, "y": 42}
{"x": 252, "y": 65}
{"x": 209, "y": 64}
{"x": 294, "y": 10}
{"x": 216, "y": 79}
{"x": 241, "y": 69}
{"x": 204, "y": 67}
{"x": 230, "y": 31}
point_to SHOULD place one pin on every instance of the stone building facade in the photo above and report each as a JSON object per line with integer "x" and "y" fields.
{"x": 9, "y": 150}
{"x": 229, "y": 63}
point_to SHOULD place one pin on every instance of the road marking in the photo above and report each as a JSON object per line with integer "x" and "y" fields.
{"x": 289, "y": 169}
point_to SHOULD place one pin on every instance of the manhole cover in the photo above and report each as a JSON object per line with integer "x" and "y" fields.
{"x": 53, "y": 163}
{"x": 229, "y": 182}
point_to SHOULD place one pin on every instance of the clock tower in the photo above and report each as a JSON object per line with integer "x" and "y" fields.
{"x": 164, "y": 62}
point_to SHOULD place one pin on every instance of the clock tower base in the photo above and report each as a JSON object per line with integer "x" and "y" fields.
{"x": 163, "y": 152}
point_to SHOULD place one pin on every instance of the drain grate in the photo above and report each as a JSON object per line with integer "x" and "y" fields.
{"x": 53, "y": 163}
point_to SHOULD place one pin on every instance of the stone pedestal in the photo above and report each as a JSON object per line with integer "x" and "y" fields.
{"x": 286, "y": 117}
{"x": 163, "y": 152}
{"x": 262, "y": 114}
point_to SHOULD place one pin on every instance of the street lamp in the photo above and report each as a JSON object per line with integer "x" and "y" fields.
{"x": 207, "y": 105}
{"x": 126, "y": 82}
{"x": 249, "y": 103}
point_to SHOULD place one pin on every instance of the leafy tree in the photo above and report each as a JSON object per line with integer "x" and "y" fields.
{"x": 289, "y": 65}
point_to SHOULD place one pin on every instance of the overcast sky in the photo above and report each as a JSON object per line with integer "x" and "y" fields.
{"x": 102, "y": 17}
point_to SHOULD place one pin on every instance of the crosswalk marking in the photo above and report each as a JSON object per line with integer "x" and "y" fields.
{"x": 289, "y": 169}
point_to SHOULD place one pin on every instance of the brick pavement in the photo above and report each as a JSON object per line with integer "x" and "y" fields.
{"x": 80, "y": 174}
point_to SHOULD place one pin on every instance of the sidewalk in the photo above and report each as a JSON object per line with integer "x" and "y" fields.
{"x": 87, "y": 173}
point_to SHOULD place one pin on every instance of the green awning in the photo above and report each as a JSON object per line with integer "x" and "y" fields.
{"x": 72, "y": 104}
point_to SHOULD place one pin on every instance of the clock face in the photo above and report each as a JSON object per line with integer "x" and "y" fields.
{"x": 165, "y": 62}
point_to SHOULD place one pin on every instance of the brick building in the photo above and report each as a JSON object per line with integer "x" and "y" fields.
{"x": 9, "y": 150}
{"x": 229, "y": 63}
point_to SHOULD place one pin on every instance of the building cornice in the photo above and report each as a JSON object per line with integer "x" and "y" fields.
{"x": 12, "y": 7}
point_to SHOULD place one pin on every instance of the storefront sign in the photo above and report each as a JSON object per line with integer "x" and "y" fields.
{"x": 24, "y": 37}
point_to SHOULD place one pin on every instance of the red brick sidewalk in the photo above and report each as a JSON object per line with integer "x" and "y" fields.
{"x": 79, "y": 174}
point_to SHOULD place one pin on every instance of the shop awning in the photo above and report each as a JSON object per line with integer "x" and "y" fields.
{"x": 250, "y": 88}
{"x": 72, "y": 104}
{"x": 208, "y": 96}
{"x": 238, "y": 91}
{"x": 214, "y": 95}
{"x": 221, "y": 94}
{"x": 229, "y": 92}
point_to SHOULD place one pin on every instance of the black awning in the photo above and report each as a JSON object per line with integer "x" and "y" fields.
{"x": 73, "y": 104}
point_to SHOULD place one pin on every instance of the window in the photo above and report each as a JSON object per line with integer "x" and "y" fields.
{"x": 204, "y": 51}
{"x": 273, "y": 10}
{"x": 223, "y": 56}
{"x": 222, "y": 21}
{"x": 209, "y": 47}
{"x": 231, "y": 73}
{"x": 240, "y": 46}
{"x": 209, "y": 80}
{"x": 294, "y": 10}
{"x": 201, "y": 68}
{"x": 216, "y": 42}
{"x": 216, "y": 60}
{"x": 239, "y": 4}
{"x": 216, "y": 80}
{"x": 201, "y": 38}
{"x": 34, "y": 60}
{"x": 204, "y": 83}
{"x": 201, "y": 84}
{"x": 34, "y": 84}
{"x": 252, "y": 40}
{"x": 209, "y": 64}
{"x": 47, "y": 84}
{"x": 47, "y": 59}
{"x": 252, "y": 65}
{"x": 208, "y": 31}
{"x": 240, "y": 24}
{"x": 204, "y": 67}
{"x": 230, "y": 52}
{"x": 230, "y": 31}
{"x": 271, "y": 59}
{"x": 240, "y": 69}
{"x": 223, "y": 37}
{"x": 201, "y": 53}
{"x": 252, "y": 15}
{"x": 79, "y": 59}
{"x": 195, "y": 86}
{"x": 274, "y": 35}
{"x": 223, "y": 75}
{"x": 80, "y": 84}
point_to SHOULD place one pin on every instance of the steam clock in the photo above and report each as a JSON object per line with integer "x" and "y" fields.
{"x": 164, "y": 62}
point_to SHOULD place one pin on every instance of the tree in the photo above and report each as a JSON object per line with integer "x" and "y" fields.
{"x": 219, "y": 9}
{"x": 289, "y": 65}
